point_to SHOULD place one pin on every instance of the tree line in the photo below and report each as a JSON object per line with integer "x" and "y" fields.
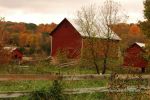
{"x": 26, "y": 35}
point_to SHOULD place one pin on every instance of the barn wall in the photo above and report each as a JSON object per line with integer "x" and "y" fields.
{"x": 16, "y": 53}
{"x": 66, "y": 38}
{"x": 133, "y": 57}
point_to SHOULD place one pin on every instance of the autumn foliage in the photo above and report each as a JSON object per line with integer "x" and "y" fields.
{"x": 129, "y": 34}
{"x": 31, "y": 37}
{"x": 4, "y": 55}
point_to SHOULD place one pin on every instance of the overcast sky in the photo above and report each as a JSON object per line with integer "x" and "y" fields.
{"x": 47, "y": 11}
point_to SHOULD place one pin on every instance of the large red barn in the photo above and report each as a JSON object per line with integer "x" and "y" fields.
{"x": 65, "y": 37}
{"x": 133, "y": 56}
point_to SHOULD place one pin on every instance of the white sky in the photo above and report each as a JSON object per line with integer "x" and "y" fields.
{"x": 47, "y": 11}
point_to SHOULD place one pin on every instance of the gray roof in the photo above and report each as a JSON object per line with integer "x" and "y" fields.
{"x": 9, "y": 48}
{"x": 101, "y": 35}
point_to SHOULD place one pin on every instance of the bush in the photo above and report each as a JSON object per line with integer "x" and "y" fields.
{"x": 55, "y": 92}
{"x": 61, "y": 57}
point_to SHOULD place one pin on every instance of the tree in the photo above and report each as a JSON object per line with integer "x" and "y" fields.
{"x": 95, "y": 22}
{"x": 2, "y": 29}
{"x": 86, "y": 20}
{"x": 145, "y": 25}
{"x": 31, "y": 27}
{"x": 134, "y": 30}
{"x": 109, "y": 15}
{"x": 4, "y": 54}
{"x": 147, "y": 9}
{"x": 23, "y": 39}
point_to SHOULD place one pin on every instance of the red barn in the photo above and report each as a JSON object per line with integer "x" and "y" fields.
{"x": 65, "y": 37}
{"x": 15, "y": 53}
{"x": 133, "y": 56}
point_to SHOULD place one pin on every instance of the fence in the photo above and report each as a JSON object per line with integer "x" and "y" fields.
{"x": 16, "y": 77}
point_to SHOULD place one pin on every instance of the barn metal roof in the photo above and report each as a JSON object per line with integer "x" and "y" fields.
{"x": 101, "y": 35}
{"x": 142, "y": 45}
{"x": 11, "y": 49}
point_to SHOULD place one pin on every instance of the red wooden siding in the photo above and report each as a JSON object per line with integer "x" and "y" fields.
{"x": 133, "y": 57}
{"x": 16, "y": 54}
{"x": 66, "y": 38}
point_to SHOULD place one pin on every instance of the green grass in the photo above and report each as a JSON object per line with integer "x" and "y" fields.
{"x": 24, "y": 85}
{"x": 113, "y": 66}
{"x": 85, "y": 83}
{"x": 38, "y": 85}
{"x": 102, "y": 96}
{"x": 89, "y": 96}
{"x": 46, "y": 67}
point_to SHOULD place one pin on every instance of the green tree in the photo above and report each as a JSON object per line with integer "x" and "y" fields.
{"x": 145, "y": 25}
{"x": 31, "y": 27}
{"x": 147, "y": 9}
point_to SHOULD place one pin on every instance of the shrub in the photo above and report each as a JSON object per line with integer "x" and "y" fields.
{"x": 55, "y": 92}
{"x": 61, "y": 57}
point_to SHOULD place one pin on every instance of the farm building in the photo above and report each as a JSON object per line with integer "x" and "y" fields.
{"x": 133, "y": 56}
{"x": 65, "y": 37}
{"x": 15, "y": 53}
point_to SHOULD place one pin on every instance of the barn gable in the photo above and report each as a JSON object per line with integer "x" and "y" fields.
{"x": 66, "y": 38}
{"x": 136, "y": 47}
{"x": 61, "y": 23}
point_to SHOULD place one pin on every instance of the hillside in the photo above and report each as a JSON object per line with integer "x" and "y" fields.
{"x": 27, "y": 35}
{"x": 129, "y": 34}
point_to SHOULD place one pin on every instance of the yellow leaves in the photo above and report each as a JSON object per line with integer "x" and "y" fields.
{"x": 30, "y": 39}
{"x": 23, "y": 39}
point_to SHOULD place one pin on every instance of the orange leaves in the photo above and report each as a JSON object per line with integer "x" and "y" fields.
{"x": 17, "y": 27}
{"x": 134, "y": 30}
{"x": 23, "y": 39}
{"x": 46, "y": 28}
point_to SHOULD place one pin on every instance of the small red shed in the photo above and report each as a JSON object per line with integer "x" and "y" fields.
{"x": 133, "y": 56}
{"x": 15, "y": 53}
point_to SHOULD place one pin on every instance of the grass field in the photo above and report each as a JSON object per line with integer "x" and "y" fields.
{"x": 45, "y": 67}
{"x": 114, "y": 65}
{"x": 45, "y": 85}
{"x": 38, "y": 85}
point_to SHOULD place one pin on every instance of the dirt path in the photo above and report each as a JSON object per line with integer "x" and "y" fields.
{"x": 15, "y": 77}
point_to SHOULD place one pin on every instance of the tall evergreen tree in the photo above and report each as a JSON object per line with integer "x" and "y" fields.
{"x": 145, "y": 25}
{"x": 147, "y": 9}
